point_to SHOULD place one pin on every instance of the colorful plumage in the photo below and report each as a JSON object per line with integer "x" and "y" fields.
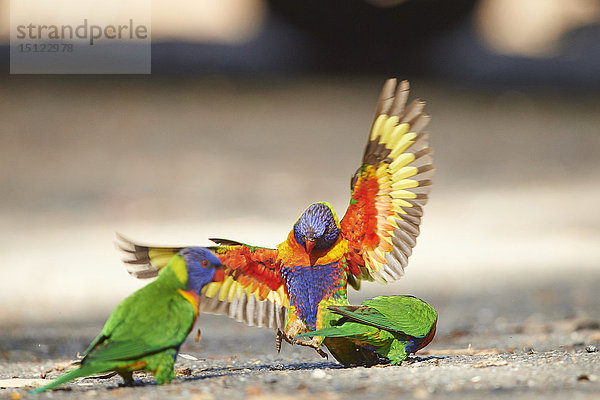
{"x": 146, "y": 329}
{"x": 290, "y": 287}
{"x": 391, "y": 326}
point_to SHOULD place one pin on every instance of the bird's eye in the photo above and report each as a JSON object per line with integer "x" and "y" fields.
{"x": 204, "y": 263}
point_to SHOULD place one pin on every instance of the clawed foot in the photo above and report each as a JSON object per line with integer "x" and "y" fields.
{"x": 279, "y": 339}
{"x": 128, "y": 380}
{"x": 131, "y": 383}
{"x": 313, "y": 343}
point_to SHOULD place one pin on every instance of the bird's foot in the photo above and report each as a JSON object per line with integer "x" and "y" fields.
{"x": 278, "y": 340}
{"x": 128, "y": 380}
{"x": 313, "y": 343}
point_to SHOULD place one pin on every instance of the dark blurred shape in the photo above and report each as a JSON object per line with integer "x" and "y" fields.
{"x": 385, "y": 3}
{"x": 277, "y": 48}
{"x": 355, "y": 36}
{"x": 462, "y": 56}
{"x": 449, "y": 40}
{"x": 340, "y": 36}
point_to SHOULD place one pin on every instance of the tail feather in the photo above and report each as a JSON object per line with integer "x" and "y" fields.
{"x": 69, "y": 376}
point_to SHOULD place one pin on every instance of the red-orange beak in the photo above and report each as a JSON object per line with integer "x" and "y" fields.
{"x": 309, "y": 245}
{"x": 219, "y": 276}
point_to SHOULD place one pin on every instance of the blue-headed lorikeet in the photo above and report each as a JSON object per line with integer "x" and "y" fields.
{"x": 291, "y": 286}
{"x": 390, "y": 326}
{"x": 146, "y": 329}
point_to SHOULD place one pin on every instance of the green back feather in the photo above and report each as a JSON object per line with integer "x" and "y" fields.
{"x": 346, "y": 329}
{"x": 400, "y": 314}
{"x": 406, "y": 314}
{"x": 131, "y": 330}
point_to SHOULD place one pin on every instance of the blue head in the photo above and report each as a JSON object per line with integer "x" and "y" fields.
{"x": 202, "y": 267}
{"x": 317, "y": 228}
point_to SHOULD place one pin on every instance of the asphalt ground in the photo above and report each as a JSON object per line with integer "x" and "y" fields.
{"x": 481, "y": 351}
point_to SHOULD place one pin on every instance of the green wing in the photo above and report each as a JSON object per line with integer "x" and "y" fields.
{"x": 343, "y": 330}
{"x": 401, "y": 314}
{"x": 152, "y": 319}
{"x": 407, "y": 314}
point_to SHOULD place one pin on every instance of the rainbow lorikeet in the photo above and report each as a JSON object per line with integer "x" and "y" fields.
{"x": 390, "y": 326}
{"x": 146, "y": 329}
{"x": 290, "y": 287}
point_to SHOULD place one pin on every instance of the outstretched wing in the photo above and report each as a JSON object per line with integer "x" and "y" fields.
{"x": 252, "y": 290}
{"x": 389, "y": 189}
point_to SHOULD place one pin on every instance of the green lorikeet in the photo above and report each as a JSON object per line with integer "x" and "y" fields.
{"x": 146, "y": 329}
{"x": 391, "y": 326}
{"x": 290, "y": 287}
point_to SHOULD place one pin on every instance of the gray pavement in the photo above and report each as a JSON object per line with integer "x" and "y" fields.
{"x": 482, "y": 350}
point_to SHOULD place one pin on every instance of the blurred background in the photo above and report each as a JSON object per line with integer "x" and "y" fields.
{"x": 256, "y": 108}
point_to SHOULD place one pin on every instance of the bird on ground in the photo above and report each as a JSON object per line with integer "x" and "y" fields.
{"x": 290, "y": 287}
{"x": 390, "y": 326}
{"x": 146, "y": 329}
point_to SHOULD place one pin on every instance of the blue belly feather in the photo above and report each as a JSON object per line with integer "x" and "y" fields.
{"x": 309, "y": 285}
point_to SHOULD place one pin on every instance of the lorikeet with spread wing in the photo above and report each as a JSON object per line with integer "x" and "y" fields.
{"x": 290, "y": 287}
{"x": 146, "y": 329}
{"x": 391, "y": 326}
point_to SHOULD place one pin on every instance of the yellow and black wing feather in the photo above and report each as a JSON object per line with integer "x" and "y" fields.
{"x": 389, "y": 189}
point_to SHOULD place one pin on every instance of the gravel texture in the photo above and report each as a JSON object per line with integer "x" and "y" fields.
{"x": 482, "y": 357}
